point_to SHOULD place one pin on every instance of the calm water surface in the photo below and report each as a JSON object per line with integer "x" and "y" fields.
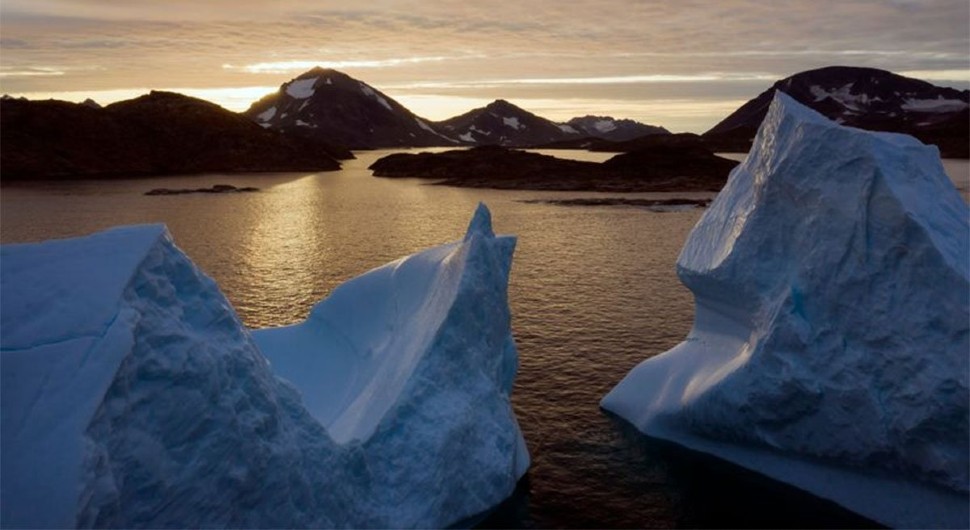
{"x": 593, "y": 292}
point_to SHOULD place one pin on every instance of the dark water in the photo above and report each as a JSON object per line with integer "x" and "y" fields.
{"x": 593, "y": 292}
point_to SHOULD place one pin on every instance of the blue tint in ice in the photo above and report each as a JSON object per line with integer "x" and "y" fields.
{"x": 830, "y": 342}
{"x": 132, "y": 396}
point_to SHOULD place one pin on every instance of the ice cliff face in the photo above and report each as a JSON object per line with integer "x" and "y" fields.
{"x": 831, "y": 284}
{"x": 133, "y": 397}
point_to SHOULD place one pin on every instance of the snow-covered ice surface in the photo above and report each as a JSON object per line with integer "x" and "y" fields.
{"x": 934, "y": 105}
{"x": 301, "y": 88}
{"x": 830, "y": 342}
{"x": 133, "y": 396}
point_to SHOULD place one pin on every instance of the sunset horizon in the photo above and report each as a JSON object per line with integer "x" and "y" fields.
{"x": 681, "y": 66}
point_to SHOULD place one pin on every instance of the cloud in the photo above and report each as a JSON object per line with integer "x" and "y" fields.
{"x": 282, "y": 67}
{"x": 455, "y": 47}
{"x": 36, "y": 71}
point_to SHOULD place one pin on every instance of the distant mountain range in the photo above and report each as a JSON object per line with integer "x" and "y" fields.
{"x": 608, "y": 128}
{"x": 865, "y": 98}
{"x": 329, "y": 105}
{"x": 312, "y": 120}
{"x": 155, "y": 134}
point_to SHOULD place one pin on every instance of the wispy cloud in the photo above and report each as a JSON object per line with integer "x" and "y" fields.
{"x": 37, "y": 71}
{"x": 284, "y": 67}
{"x": 596, "y": 80}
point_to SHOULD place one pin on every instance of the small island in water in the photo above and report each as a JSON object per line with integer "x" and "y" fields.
{"x": 681, "y": 167}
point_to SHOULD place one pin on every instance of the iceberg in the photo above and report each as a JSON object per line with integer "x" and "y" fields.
{"x": 132, "y": 395}
{"x": 832, "y": 314}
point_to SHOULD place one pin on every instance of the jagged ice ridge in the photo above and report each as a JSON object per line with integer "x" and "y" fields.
{"x": 830, "y": 342}
{"x": 134, "y": 397}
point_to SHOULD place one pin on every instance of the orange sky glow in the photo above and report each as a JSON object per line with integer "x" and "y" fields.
{"x": 682, "y": 64}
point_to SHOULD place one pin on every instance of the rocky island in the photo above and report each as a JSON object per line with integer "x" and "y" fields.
{"x": 663, "y": 168}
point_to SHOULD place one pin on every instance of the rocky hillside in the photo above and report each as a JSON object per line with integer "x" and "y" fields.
{"x": 502, "y": 123}
{"x": 865, "y": 98}
{"x": 328, "y": 105}
{"x": 609, "y": 128}
{"x": 159, "y": 133}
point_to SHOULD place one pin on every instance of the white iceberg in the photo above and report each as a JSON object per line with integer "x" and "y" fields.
{"x": 132, "y": 396}
{"x": 830, "y": 343}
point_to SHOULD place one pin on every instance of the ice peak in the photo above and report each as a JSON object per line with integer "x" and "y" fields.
{"x": 784, "y": 105}
{"x": 481, "y": 223}
{"x": 811, "y": 275}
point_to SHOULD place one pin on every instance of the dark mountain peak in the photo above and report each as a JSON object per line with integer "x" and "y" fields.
{"x": 91, "y": 103}
{"x": 317, "y": 71}
{"x": 866, "y": 98}
{"x": 610, "y": 128}
{"x": 161, "y": 97}
{"x": 324, "y": 78}
{"x": 501, "y": 104}
{"x": 329, "y": 105}
{"x": 155, "y": 134}
{"x": 503, "y": 123}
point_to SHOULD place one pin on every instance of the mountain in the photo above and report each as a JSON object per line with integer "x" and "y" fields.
{"x": 158, "y": 133}
{"x": 328, "y": 105}
{"x": 502, "y": 123}
{"x": 865, "y": 98}
{"x": 609, "y": 128}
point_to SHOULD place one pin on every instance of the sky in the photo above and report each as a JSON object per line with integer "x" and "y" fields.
{"x": 682, "y": 64}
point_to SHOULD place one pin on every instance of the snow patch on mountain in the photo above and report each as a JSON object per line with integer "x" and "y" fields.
{"x": 934, "y": 105}
{"x": 467, "y": 137}
{"x": 301, "y": 88}
{"x": 428, "y": 128}
{"x": 267, "y": 114}
{"x": 567, "y": 128}
{"x": 368, "y": 91}
{"x": 605, "y": 126}
{"x": 513, "y": 122}
{"x": 843, "y": 95}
